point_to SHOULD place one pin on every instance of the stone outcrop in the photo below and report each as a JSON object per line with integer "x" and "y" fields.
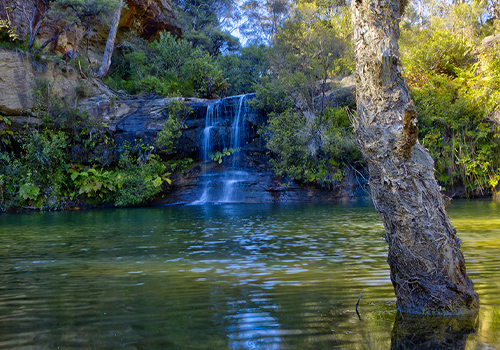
{"x": 262, "y": 185}
{"x": 147, "y": 18}
{"x": 20, "y": 77}
{"x": 130, "y": 118}
{"x": 490, "y": 42}
{"x": 340, "y": 92}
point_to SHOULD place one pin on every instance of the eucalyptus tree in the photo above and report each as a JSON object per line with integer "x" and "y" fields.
{"x": 208, "y": 23}
{"x": 263, "y": 19}
{"x": 110, "y": 43}
{"x": 35, "y": 18}
{"x": 427, "y": 267}
{"x": 86, "y": 13}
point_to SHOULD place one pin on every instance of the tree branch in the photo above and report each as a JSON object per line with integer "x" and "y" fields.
{"x": 48, "y": 41}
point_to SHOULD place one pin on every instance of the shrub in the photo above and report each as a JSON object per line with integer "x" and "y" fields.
{"x": 311, "y": 148}
{"x": 168, "y": 66}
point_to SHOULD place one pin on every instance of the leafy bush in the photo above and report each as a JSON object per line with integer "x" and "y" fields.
{"x": 455, "y": 90}
{"x": 171, "y": 131}
{"x": 167, "y": 66}
{"x": 142, "y": 182}
{"x": 37, "y": 178}
{"x": 218, "y": 156}
{"x": 94, "y": 182}
{"x": 311, "y": 148}
{"x": 434, "y": 52}
{"x": 10, "y": 169}
{"x": 244, "y": 69}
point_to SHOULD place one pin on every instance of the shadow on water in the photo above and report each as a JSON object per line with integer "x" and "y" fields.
{"x": 432, "y": 332}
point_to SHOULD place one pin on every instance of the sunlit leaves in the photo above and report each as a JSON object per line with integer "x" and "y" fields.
{"x": 455, "y": 89}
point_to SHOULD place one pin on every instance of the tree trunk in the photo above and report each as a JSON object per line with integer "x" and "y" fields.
{"x": 110, "y": 43}
{"x": 427, "y": 266}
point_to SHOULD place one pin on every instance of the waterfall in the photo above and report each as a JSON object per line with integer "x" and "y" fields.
{"x": 211, "y": 119}
{"x": 222, "y": 187}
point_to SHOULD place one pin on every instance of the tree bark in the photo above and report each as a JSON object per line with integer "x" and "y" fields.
{"x": 110, "y": 43}
{"x": 33, "y": 20}
{"x": 427, "y": 267}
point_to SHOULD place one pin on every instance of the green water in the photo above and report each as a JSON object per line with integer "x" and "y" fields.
{"x": 221, "y": 277}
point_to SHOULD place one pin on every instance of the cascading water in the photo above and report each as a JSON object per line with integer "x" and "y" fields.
{"x": 222, "y": 187}
{"x": 211, "y": 120}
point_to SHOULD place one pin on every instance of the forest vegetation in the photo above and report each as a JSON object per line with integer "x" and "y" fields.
{"x": 291, "y": 53}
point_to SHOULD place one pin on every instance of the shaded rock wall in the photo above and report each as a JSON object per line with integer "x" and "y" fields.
{"x": 147, "y": 18}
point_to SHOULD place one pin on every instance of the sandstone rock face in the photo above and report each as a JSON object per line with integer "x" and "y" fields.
{"x": 145, "y": 17}
{"x": 20, "y": 76}
{"x": 16, "y": 79}
{"x": 150, "y": 18}
{"x": 489, "y": 42}
{"x": 262, "y": 185}
{"x": 131, "y": 119}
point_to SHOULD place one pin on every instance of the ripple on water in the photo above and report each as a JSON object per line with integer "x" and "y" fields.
{"x": 217, "y": 277}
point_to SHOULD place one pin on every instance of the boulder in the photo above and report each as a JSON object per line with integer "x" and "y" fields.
{"x": 340, "y": 93}
{"x": 489, "y": 42}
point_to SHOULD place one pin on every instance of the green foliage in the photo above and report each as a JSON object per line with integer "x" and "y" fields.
{"x": 171, "y": 131}
{"x": 307, "y": 52}
{"x": 309, "y": 141}
{"x": 142, "y": 182}
{"x": 434, "y": 52}
{"x": 9, "y": 186}
{"x": 455, "y": 90}
{"x": 87, "y": 13}
{"x": 130, "y": 184}
{"x": 17, "y": 44}
{"x": 306, "y": 147}
{"x": 87, "y": 136}
{"x": 45, "y": 174}
{"x": 264, "y": 19}
{"x": 7, "y": 30}
{"x": 213, "y": 40}
{"x": 168, "y": 66}
{"x": 205, "y": 24}
{"x": 38, "y": 177}
{"x": 244, "y": 69}
{"x": 219, "y": 156}
{"x": 95, "y": 182}
{"x": 6, "y": 134}
{"x": 178, "y": 165}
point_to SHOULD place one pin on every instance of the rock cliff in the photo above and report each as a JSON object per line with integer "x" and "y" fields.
{"x": 20, "y": 77}
{"x": 147, "y": 18}
{"x": 132, "y": 117}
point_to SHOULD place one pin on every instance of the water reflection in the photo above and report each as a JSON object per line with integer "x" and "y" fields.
{"x": 424, "y": 332}
{"x": 252, "y": 324}
{"x": 222, "y": 276}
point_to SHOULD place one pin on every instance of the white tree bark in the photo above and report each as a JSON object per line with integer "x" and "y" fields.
{"x": 110, "y": 43}
{"x": 427, "y": 267}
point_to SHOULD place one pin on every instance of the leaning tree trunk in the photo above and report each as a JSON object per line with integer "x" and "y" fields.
{"x": 427, "y": 266}
{"x": 110, "y": 43}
